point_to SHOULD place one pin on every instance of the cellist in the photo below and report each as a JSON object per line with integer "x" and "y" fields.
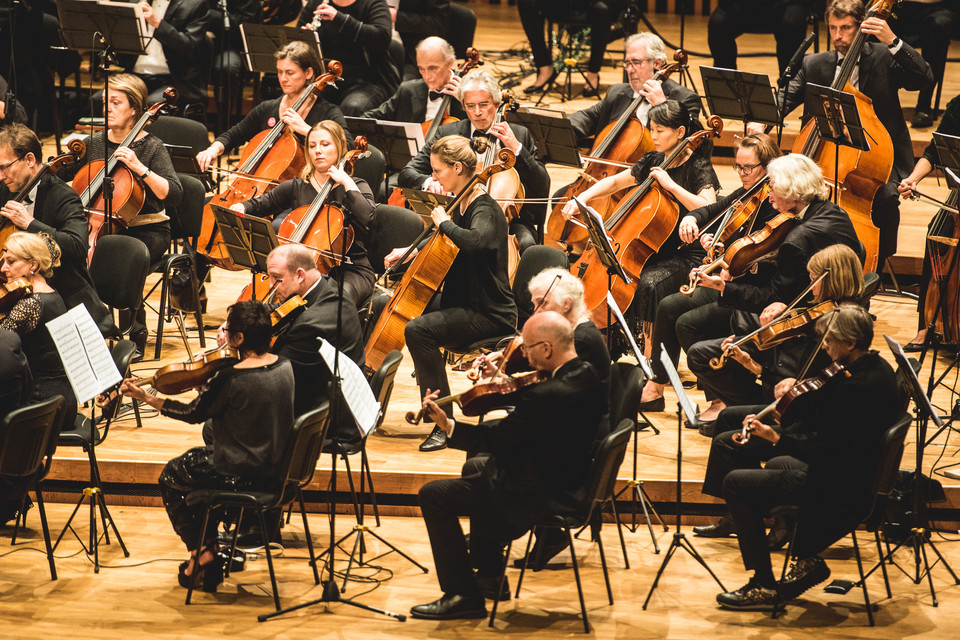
{"x": 884, "y": 68}
{"x": 476, "y": 301}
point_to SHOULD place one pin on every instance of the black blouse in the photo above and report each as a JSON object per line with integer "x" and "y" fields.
{"x": 266, "y": 114}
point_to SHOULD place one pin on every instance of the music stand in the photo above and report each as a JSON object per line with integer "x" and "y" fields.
{"x": 684, "y": 406}
{"x": 738, "y": 95}
{"x": 423, "y": 202}
{"x": 399, "y": 141}
{"x": 261, "y": 41}
{"x": 554, "y": 135}
{"x": 248, "y": 239}
{"x": 184, "y": 160}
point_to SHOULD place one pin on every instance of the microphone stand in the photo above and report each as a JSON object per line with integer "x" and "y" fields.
{"x": 791, "y": 70}
{"x": 105, "y": 57}
{"x": 225, "y": 75}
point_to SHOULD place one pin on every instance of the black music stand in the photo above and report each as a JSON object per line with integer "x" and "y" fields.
{"x": 423, "y": 202}
{"x": 605, "y": 252}
{"x": 552, "y": 132}
{"x": 738, "y": 95}
{"x": 249, "y": 240}
{"x": 185, "y": 161}
{"x": 261, "y": 41}
{"x": 399, "y": 141}
{"x": 684, "y": 406}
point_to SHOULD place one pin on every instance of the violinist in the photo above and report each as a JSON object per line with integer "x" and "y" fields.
{"x": 884, "y": 68}
{"x": 34, "y": 257}
{"x": 298, "y": 65}
{"x": 671, "y": 325}
{"x": 809, "y": 463}
{"x": 51, "y": 207}
{"x": 419, "y": 100}
{"x": 481, "y": 98}
{"x": 476, "y": 301}
{"x": 324, "y": 149}
{"x": 691, "y": 181}
{"x": 248, "y": 413}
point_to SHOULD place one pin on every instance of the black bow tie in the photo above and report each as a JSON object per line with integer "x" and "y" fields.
{"x": 435, "y": 95}
{"x": 483, "y": 134}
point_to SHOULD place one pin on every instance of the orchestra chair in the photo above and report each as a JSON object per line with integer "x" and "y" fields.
{"x": 186, "y": 220}
{"x": 119, "y": 268}
{"x": 392, "y": 227}
{"x": 871, "y": 285}
{"x": 373, "y": 169}
{"x": 27, "y": 444}
{"x": 183, "y": 132}
{"x": 294, "y": 469}
{"x": 599, "y": 491}
{"x": 887, "y": 465}
{"x": 87, "y": 434}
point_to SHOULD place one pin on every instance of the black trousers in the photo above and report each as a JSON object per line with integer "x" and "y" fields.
{"x": 886, "y": 217}
{"x": 726, "y": 455}
{"x": 157, "y": 238}
{"x": 927, "y": 27}
{"x": 786, "y": 19}
{"x": 666, "y": 325}
{"x": 535, "y": 13}
{"x": 732, "y": 383}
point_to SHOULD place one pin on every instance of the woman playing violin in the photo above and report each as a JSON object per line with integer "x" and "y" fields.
{"x": 247, "y": 410}
{"x": 476, "y": 301}
{"x": 33, "y": 257}
{"x": 325, "y": 147}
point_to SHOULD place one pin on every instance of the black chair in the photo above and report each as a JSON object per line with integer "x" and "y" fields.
{"x": 119, "y": 270}
{"x": 393, "y": 227}
{"x": 295, "y": 468}
{"x": 599, "y": 491}
{"x": 27, "y": 443}
{"x": 184, "y": 132}
{"x": 88, "y": 435}
{"x": 884, "y": 476}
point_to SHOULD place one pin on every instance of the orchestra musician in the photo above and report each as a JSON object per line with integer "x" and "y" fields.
{"x": 540, "y": 457}
{"x": 810, "y": 463}
{"x": 324, "y": 149}
{"x": 476, "y": 301}
{"x": 884, "y": 68}
{"x": 671, "y": 326}
{"x": 51, "y": 207}
{"x": 481, "y": 98}
{"x": 248, "y": 411}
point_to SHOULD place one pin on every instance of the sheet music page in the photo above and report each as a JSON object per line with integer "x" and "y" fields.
{"x": 644, "y": 363}
{"x": 412, "y": 130}
{"x": 356, "y": 390}
{"x": 86, "y": 359}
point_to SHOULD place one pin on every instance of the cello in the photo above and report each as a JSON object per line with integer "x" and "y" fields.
{"x": 505, "y": 187}
{"x": 624, "y": 140}
{"x": 859, "y": 174}
{"x": 941, "y": 304}
{"x": 423, "y": 277}
{"x": 642, "y": 222}
{"x": 271, "y": 157}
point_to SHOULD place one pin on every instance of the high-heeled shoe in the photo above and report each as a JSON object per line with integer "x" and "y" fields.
{"x": 590, "y": 91}
{"x": 540, "y": 88}
{"x": 211, "y": 574}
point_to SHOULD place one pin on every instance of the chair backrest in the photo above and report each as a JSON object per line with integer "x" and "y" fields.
{"x": 381, "y": 382}
{"x": 122, "y": 352}
{"x": 606, "y": 464}
{"x": 394, "y": 227}
{"x": 28, "y": 437}
{"x": 118, "y": 269}
{"x": 187, "y": 217}
{"x": 534, "y": 260}
{"x": 626, "y": 389}
{"x": 185, "y": 132}
{"x": 304, "y": 443}
{"x": 887, "y": 466}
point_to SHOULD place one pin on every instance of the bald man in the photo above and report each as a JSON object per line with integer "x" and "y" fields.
{"x": 540, "y": 460}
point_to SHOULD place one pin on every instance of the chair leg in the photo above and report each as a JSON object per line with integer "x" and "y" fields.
{"x": 266, "y": 548}
{"x": 623, "y": 544}
{"x": 353, "y": 489}
{"x": 863, "y": 580}
{"x": 365, "y": 465}
{"x": 503, "y": 577}
{"x": 603, "y": 563}
{"x": 883, "y": 565}
{"x": 306, "y": 532}
{"x": 46, "y": 533}
{"x": 161, "y": 313}
{"x": 21, "y": 519}
{"x": 195, "y": 576}
{"x": 526, "y": 562}
{"x": 576, "y": 574}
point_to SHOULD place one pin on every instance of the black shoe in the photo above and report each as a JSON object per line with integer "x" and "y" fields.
{"x": 803, "y": 574}
{"x": 211, "y": 575}
{"x": 539, "y": 559}
{"x": 589, "y": 91}
{"x": 913, "y": 347}
{"x": 237, "y": 563}
{"x": 658, "y": 404}
{"x": 779, "y": 534}
{"x": 540, "y": 88}
{"x": 705, "y": 427}
{"x": 451, "y": 607}
{"x": 436, "y": 441}
{"x": 488, "y": 587}
{"x": 723, "y": 528}
{"x": 921, "y": 120}
{"x": 749, "y": 597}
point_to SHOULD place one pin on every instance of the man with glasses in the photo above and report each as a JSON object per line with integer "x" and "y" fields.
{"x": 51, "y": 207}
{"x": 480, "y": 95}
{"x": 645, "y": 55}
{"x": 540, "y": 459}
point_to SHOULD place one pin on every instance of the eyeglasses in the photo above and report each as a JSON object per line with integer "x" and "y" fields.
{"x": 6, "y": 167}
{"x": 476, "y": 105}
{"x": 633, "y": 64}
{"x": 745, "y": 168}
{"x": 524, "y": 348}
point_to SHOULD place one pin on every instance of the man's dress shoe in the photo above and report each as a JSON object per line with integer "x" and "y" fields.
{"x": 451, "y": 607}
{"x": 436, "y": 441}
{"x": 723, "y": 528}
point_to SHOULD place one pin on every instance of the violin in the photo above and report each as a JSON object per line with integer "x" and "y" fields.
{"x": 182, "y": 376}
{"x": 129, "y": 192}
{"x": 322, "y": 226}
{"x": 470, "y": 61}
{"x": 76, "y": 150}
{"x": 485, "y": 397}
{"x": 620, "y": 143}
{"x": 272, "y": 156}
{"x": 735, "y": 216}
{"x": 11, "y": 292}
{"x": 509, "y": 360}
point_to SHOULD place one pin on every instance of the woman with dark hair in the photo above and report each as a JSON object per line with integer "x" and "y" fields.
{"x": 248, "y": 413}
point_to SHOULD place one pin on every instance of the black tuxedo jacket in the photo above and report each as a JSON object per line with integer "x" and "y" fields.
{"x": 882, "y": 75}
{"x": 409, "y": 104}
{"x": 542, "y": 450}
{"x": 188, "y": 50}
{"x": 590, "y": 122}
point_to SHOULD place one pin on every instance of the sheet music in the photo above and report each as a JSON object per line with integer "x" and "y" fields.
{"x": 356, "y": 390}
{"x": 919, "y": 395}
{"x": 86, "y": 359}
{"x": 146, "y": 30}
{"x": 688, "y": 407}
{"x": 644, "y": 363}
{"x": 412, "y": 130}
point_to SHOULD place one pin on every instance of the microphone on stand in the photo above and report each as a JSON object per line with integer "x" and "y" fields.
{"x": 226, "y": 16}
{"x": 793, "y": 67}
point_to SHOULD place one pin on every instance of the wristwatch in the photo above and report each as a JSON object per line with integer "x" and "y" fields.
{"x": 895, "y": 43}
{"x": 145, "y": 174}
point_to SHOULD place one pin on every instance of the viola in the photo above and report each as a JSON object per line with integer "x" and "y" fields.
{"x": 470, "y": 61}
{"x": 509, "y": 360}
{"x": 182, "y": 376}
{"x": 739, "y": 213}
{"x": 129, "y": 192}
{"x": 643, "y": 221}
{"x": 621, "y": 142}
{"x": 271, "y": 157}
{"x": 76, "y": 150}
{"x": 485, "y": 397}
{"x": 11, "y": 292}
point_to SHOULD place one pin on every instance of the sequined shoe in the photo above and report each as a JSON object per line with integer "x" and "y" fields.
{"x": 803, "y": 575}
{"x": 749, "y": 597}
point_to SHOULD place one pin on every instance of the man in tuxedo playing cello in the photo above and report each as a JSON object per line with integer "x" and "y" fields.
{"x": 480, "y": 95}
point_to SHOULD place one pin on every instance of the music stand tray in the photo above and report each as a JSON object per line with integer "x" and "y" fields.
{"x": 398, "y": 141}
{"x": 185, "y": 161}
{"x": 554, "y": 135}
{"x": 837, "y": 117}
{"x": 261, "y": 41}
{"x": 738, "y": 95}
{"x": 121, "y": 24}
{"x": 248, "y": 239}
{"x": 423, "y": 202}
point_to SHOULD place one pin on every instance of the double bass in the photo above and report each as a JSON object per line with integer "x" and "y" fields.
{"x": 641, "y": 224}
{"x": 423, "y": 277}
{"x": 271, "y": 157}
{"x": 859, "y": 174}
{"x": 941, "y": 304}
{"x": 623, "y": 141}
